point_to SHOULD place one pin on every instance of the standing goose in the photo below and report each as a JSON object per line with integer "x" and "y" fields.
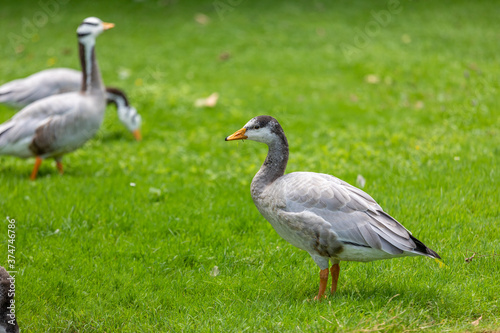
{"x": 22, "y": 92}
{"x": 59, "y": 124}
{"x": 322, "y": 214}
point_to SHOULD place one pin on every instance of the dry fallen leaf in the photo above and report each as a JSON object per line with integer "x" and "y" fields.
{"x": 476, "y": 322}
{"x": 202, "y": 19}
{"x": 470, "y": 258}
{"x": 208, "y": 102}
{"x": 320, "y": 32}
{"x": 372, "y": 79}
{"x": 224, "y": 56}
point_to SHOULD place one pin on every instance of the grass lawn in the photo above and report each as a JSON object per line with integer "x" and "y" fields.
{"x": 403, "y": 93}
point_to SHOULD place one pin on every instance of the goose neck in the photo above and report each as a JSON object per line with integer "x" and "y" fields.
{"x": 91, "y": 78}
{"x": 273, "y": 167}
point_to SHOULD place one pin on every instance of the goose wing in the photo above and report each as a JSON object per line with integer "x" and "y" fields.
{"x": 49, "y": 125}
{"x": 22, "y": 92}
{"x": 344, "y": 210}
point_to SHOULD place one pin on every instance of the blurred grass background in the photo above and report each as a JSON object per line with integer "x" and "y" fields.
{"x": 127, "y": 240}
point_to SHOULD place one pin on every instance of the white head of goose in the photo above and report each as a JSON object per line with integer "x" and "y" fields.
{"x": 53, "y": 81}
{"x": 321, "y": 214}
{"x": 59, "y": 124}
{"x": 127, "y": 114}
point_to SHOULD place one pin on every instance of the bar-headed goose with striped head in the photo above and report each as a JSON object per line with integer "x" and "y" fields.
{"x": 22, "y": 92}
{"x": 321, "y": 214}
{"x": 59, "y": 124}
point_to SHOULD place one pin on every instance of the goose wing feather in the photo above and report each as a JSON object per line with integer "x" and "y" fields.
{"x": 52, "y": 124}
{"x": 350, "y": 213}
{"x": 22, "y": 92}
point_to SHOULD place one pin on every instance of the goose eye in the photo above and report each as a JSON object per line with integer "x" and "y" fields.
{"x": 256, "y": 127}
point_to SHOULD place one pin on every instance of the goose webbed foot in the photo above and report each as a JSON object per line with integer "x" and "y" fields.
{"x": 59, "y": 166}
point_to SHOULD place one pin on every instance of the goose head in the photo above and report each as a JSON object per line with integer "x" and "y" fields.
{"x": 90, "y": 28}
{"x": 263, "y": 129}
{"x": 129, "y": 116}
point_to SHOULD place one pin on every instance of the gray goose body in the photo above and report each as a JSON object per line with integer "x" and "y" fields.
{"x": 59, "y": 124}
{"x": 22, "y": 92}
{"x": 321, "y": 214}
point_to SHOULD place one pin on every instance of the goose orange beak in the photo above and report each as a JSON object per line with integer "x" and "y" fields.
{"x": 238, "y": 135}
{"x": 137, "y": 135}
{"x": 107, "y": 26}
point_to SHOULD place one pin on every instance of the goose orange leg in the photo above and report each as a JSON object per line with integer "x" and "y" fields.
{"x": 38, "y": 162}
{"x": 323, "y": 280}
{"x": 335, "y": 271}
{"x": 59, "y": 166}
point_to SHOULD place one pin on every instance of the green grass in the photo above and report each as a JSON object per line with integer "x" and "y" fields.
{"x": 95, "y": 254}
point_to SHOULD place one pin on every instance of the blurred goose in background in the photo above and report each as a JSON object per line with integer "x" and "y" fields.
{"x": 127, "y": 114}
{"x": 8, "y": 322}
{"x": 321, "y": 214}
{"x": 59, "y": 124}
{"x": 22, "y": 92}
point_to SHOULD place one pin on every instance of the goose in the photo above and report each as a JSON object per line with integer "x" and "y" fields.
{"x": 8, "y": 322}
{"x": 321, "y": 214}
{"x": 59, "y": 124}
{"x": 22, "y": 92}
{"x": 127, "y": 114}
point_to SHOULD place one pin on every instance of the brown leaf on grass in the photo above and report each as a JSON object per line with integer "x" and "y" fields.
{"x": 470, "y": 258}
{"x": 419, "y": 105}
{"x": 406, "y": 39}
{"x": 67, "y": 51}
{"x": 494, "y": 254}
{"x": 224, "y": 56}
{"x": 476, "y": 322}
{"x": 202, "y": 19}
{"x": 208, "y": 102}
{"x": 372, "y": 79}
{"x": 473, "y": 66}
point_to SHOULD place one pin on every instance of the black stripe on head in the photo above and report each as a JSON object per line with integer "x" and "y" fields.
{"x": 82, "y": 34}
{"x": 89, "y": 23}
